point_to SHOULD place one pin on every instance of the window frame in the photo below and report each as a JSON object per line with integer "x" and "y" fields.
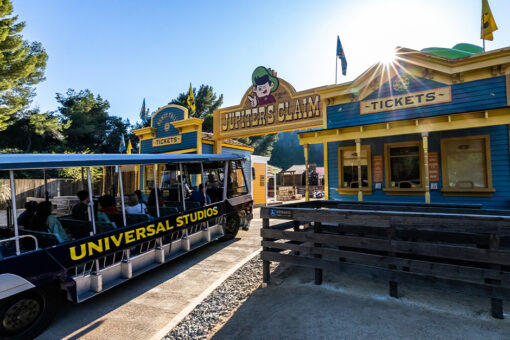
{"x": 446, "y": 190}
{"x": 387, "y": 169}
{"x": 352, "y": 191}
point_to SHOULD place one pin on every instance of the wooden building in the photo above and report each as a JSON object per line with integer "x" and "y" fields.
{"x": 172, "y": 131}
{"x": 428, "y": 127}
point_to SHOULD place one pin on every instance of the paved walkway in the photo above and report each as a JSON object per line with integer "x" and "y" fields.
{"x": 149, "y": 306}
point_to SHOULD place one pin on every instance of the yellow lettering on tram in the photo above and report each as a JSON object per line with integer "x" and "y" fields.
{"x": 83, "y": 252}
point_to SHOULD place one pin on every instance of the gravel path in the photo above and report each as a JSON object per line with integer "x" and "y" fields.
{"x": 221, "y": 303}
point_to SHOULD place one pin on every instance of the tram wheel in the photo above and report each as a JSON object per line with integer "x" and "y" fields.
{"x": 231, "y": 227}
{"x": 26, "y": 315}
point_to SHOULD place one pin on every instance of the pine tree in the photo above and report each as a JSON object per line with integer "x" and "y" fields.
{"x": 206, "y": 102}
{"x": 22, "y": 65}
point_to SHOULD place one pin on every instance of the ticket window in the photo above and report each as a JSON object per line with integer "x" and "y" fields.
{"x": 404, "y": 165}
{"x": 466, "y": 164}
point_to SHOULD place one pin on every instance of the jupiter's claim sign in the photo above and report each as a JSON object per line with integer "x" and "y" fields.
{"x": 270, "y": 105}
{"x": 414, "y": 99}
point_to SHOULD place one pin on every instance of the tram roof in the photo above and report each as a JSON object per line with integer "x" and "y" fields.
{"x": 48, "y": 161}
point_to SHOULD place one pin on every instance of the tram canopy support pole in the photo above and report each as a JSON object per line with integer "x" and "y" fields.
{"x": 156, "y": 196}
{"x": 203, "y": 182}
{"x": 91, "y": 202}
{"x": 182, "y": 188}
{"x": 121, "y": 188}
{"x": 225, "y": 180}
{"x": 46, "y": 193}
{"x": 14, "y": 217}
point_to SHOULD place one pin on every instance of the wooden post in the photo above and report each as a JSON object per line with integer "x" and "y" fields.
{"x": 360, "y": 179}
{"x": 295, "y": 225}
{"x": 425, "y": 145}
{"x": 326, "y": 175}
{"x": 318, "y": 271}
{"x": 266, "y": 275}
{"x": 306, "y": 148}
{"x": 217, "y": 147}
{"x": 394, "y": 289}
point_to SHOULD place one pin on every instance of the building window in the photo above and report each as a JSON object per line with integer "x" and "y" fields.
{"x": 348, "y": 169}
{"x": 466, "y": 164}
{"x": 404, "y": 166}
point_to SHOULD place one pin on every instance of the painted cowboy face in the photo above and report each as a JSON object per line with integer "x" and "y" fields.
{"x": 263, "y": 87}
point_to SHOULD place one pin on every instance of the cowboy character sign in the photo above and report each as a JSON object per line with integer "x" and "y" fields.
{"x": 264, "y": 83}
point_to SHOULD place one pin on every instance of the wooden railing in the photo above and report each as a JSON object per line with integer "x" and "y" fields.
{"x": 467, "y": 251}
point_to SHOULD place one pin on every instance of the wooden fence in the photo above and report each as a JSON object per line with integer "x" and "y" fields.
{"x": 64, "y": 187}
{"x": 469, "y": 251}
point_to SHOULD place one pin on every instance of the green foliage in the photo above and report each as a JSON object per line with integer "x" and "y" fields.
{"x": 287, "y": 151}
{"x": 206, "y": 102}
{"x": 90, "y": 125}
{"x": 34, "y": 132}
{"x": 78, "y": 174}
{"x": 22, "y": 65}
{"x": 262, "y": 144}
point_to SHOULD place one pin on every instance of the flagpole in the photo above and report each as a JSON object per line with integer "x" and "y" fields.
{"x": 483, "y": 30}
{"x": 336, "y": 69}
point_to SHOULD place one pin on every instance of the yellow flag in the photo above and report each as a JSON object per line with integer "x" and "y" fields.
{"x": 191, "y": 99}
{"x": 129, "y": 147}
{"x": 488, "y": 22}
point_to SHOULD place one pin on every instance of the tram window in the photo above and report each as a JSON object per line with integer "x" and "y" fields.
{"x": 214, "y": 179}
{"x": 236, "y": 185}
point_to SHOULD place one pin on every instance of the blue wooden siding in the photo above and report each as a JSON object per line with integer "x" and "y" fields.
{"x": 189, "y": 141}
{"x": 177, "y": 113}
{"x": 468, "y": 96}
{"x": 207, "y": 148}
{"x": 500, "y": 164}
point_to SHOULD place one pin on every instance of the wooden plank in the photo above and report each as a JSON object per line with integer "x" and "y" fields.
{"x": 452, "y": 271}
{"x": 370, "y": 272}
{"x": 412, "y": 248}
{"x": 318, "y": 271}
{"x": 266, "y": 274}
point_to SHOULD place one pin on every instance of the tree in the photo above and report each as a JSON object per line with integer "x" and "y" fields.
{"x": 206, "y": 101}
{"x": 22, "y": 65}
{"x": 262, "y": 144}
{"x": 91, "y": 127}
{"x": 33, "y": 131}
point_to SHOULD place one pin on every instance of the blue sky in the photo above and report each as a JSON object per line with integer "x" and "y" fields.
{"x": 128, "y": 50}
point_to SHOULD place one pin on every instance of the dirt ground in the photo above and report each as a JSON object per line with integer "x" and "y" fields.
{"x": 352, "y": 307}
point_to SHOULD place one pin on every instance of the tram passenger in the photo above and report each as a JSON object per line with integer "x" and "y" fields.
{"x": 152, "y": 199}
{"x": 26, "y": 216}
{"x": 198, "y": 195}
{"x": 106, "y": 204}
{"x": 140, "y": 196}
{"x": 80, "y": 210}
{"x": 134, "y": 207}
{"x": 46, "y": 222}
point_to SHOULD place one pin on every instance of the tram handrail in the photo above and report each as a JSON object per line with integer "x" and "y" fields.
{"x": 20, "y": 237}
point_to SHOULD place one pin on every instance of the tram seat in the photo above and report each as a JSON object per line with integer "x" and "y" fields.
{"x": 77, "y": 228}
{"x": 216, "y": 194}
{"x": 103, "y": 227}
{"x": 163, "y": 211}
{"x": 44, "y": 239}
{"x": 130, "y": 219}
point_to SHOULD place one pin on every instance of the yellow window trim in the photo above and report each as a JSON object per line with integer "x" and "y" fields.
{"x": 481, "y": 192}
{"x": 353, "y": 191}
{"x": 389, "y": 190}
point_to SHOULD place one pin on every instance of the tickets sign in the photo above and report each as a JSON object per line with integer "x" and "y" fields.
{"x": 404, "y": 101}
{"x": 167, "y": 140}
